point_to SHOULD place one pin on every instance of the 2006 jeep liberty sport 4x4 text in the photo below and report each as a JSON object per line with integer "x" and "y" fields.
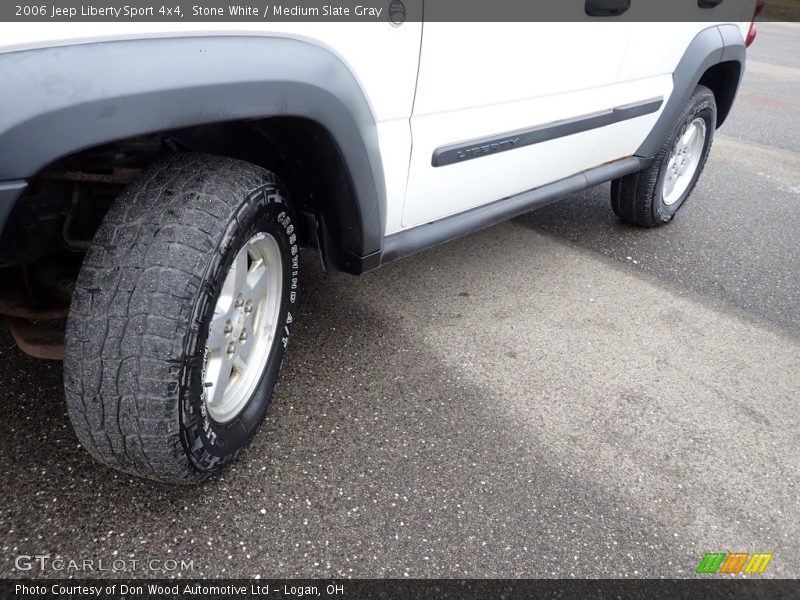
{"x": 159, "y": 181}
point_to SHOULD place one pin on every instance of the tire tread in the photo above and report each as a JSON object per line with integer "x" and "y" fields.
{"x": 633, "y": 196}
{"x": 131, "y": 311}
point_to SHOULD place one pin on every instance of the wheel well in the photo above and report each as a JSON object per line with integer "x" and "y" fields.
{"x": 307, "y": 160}
{"x": 51, "y": 227}
{"x": 723, "y": 80}
{"x": 66, "y": 201}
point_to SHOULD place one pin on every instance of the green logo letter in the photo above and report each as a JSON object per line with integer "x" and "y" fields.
{"x": 711, "y": 562}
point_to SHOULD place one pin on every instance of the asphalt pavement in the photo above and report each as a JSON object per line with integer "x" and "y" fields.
{"x": 559, "y": 396}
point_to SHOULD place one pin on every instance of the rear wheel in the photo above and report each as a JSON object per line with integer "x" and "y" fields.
{"x": 181, "y": 317}
{"x": 653, "y": 196}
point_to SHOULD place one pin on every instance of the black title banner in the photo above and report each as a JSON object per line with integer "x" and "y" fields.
{"x": 393, "y": 11}
{"x": 388, "y": 589}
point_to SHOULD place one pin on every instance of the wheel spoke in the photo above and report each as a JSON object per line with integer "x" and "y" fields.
{"x": 239, "y": 341}
{"x": 683, "y": 162}
{"x": 227, "y": 294}
{"x": 239, "y": 365}
{"x": 688, "y": 136}
{"x": 239, "y": 269}
{"x": 217, "y": 336}
{"x": 669, "y": 183}
{"x": 217, "y": 374}
{"x": 244, "y": 349}
{"x": 257, "y": 283}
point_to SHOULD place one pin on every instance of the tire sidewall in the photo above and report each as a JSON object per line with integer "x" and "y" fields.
{"x": 705, "y": 108}
{"x": 211, "y": 444}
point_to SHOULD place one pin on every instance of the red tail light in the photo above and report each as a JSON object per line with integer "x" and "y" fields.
{"x": 751, "y": 34}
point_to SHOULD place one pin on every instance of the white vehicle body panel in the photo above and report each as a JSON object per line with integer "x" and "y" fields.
{"x": 523, "y": 75}
{"x": 442, "y": 87}
{"x": 383, "y": 58}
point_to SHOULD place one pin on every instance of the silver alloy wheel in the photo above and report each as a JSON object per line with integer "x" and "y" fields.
{"x": 683, "y": 161}
{"x": 243, "y": 327}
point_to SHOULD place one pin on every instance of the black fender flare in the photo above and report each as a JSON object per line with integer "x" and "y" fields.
{"x": 717, "y": 44}
{"x": 60, "y": 100}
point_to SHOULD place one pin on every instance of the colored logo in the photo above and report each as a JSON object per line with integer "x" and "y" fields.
{"x": 719, "y": 562}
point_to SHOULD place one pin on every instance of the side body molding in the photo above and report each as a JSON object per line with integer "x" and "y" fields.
{"x": 60, "y": 100}
{"x": 710, "y": 47}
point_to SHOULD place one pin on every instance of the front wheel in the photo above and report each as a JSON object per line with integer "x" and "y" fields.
{"x": 181, "y": 317}
{"x": 654, "y": 195}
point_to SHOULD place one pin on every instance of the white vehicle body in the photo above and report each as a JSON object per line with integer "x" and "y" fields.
{"x": 157, "y": 181}
{"x": 425, "y": 94}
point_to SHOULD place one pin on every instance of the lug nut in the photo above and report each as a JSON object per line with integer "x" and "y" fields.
{"x": 231, "y": 348}
{"x": 248, "y": 307}
{"x": 239, "y": 302}
{"x": 228, "y": 327}
{"x": 243, "y": 336}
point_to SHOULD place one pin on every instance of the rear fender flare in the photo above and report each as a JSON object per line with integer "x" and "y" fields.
{"x": 710, "y": 47}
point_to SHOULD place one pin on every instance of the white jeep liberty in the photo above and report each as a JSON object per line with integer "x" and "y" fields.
{"x": 157, "y": 182}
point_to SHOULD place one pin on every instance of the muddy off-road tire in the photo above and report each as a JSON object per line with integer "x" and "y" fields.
{"x": 653, "y": 196}
{"x": 180, "y": 318}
